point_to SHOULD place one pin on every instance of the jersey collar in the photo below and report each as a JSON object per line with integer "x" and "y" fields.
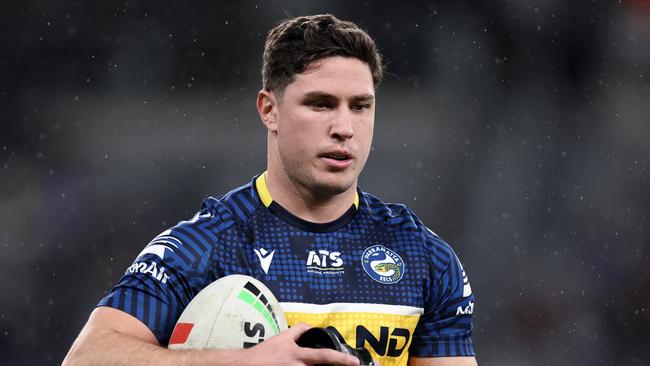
{"x": 267, "y": 201}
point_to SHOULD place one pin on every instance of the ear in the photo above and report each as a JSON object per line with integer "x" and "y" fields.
{"x": 267, "y": 107}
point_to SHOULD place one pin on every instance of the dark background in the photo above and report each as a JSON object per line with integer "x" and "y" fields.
{"x": 517, "y": 130}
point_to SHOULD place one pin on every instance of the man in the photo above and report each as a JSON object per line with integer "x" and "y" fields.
{"x": 333, "y": 255}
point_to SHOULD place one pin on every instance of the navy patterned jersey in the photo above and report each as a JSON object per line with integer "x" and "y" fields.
{"x": 376, "y": 275}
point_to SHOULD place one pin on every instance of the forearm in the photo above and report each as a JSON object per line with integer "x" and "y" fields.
{"x": 112, "y": 337}
{"x": 442, "y": 361}
{"x": 112, "y": 348}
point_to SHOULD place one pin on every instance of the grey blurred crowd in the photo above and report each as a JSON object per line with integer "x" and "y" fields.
{"x": 519, "y": 131}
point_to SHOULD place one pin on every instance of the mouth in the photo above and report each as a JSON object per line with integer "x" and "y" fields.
{"x": 337, "y": 159}
{"x": 338, "y": 156}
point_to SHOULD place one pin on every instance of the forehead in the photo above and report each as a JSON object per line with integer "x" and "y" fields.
{"x": 339, "y": 76}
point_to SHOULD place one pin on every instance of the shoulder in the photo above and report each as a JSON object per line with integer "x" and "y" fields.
{"x": 400, "y": 217}
{"x": 395, "y": 215}
{"x": 234, "y": 207}
{"x": 216, "y": 216}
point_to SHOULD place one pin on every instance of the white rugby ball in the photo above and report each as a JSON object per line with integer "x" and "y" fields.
{"x": 233, "y": 312}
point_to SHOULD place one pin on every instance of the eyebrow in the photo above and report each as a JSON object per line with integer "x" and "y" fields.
{"x": 319, "y": 95}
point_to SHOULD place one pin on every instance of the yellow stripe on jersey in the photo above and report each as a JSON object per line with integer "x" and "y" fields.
{"x": 385, "y": 330}
{"x": 265, "y": 195}
{"x": 263, "y": 191}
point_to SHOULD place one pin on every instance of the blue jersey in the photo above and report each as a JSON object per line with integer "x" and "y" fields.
{"x": 376, "y": 275}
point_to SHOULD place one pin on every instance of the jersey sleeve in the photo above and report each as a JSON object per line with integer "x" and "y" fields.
{"x": 165, "y": 276}
{"x": 445, "y": 328}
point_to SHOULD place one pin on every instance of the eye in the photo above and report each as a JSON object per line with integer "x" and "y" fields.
{"x": 320, "y": 105}
{"x": 360, "y": 106}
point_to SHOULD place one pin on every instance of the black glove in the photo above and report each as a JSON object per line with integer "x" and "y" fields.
{"x": 325, "y": 338}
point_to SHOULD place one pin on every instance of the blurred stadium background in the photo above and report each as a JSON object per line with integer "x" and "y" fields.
{"x": 517, "y": 130}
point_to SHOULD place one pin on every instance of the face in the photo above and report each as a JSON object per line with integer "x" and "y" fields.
{"x": 320, "y": 132}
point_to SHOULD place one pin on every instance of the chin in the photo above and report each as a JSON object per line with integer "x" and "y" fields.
{"x": 329, "y": 189}
{"x": 332, "y": 187}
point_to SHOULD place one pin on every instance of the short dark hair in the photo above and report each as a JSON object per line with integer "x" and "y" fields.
{"x": 293, "y": 45}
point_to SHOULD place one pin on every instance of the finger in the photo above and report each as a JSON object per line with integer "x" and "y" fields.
{"x": 313, "y": 356}
{"x": 297, "y": 330}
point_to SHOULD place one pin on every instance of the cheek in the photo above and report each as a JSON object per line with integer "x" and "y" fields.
{"x": 365, "y": 132}
{"x": 304, "y": 126}
{"x": 297, "y": 134}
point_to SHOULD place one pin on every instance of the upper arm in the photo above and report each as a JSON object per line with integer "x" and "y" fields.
{"x": 106, "y": 325}
{"x": 445, "y": 328}
{"x": 442, "y": 361}
{"x": 104, "y": 319}
{"x": 164, "y": 277}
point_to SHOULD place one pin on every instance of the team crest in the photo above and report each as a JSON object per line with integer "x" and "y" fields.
{"x": 382, "y": 264}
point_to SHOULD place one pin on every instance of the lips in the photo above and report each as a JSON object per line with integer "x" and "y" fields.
{"x": 337, "y": 159}
{"x": 338, "y": 156}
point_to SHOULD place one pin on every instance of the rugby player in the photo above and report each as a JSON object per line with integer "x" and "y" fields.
{"x": 334, "y": 255}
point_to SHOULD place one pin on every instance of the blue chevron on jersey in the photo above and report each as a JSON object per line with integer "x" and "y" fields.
{"x": 376, "y": 275}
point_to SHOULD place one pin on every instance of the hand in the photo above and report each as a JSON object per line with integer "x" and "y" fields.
{"x": 283, "y": 350}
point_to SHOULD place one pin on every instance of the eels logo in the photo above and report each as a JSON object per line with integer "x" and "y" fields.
{"x": 382, "y": 264}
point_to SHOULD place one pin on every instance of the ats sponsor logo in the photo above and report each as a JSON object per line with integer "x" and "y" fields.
{"x": 325, "y": 262}
{"x": 149, "y": 268}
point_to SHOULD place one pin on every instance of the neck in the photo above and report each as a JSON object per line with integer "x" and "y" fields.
{"x": 306, "y": 204}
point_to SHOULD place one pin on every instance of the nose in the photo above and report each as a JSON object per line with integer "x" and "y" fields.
{"x": 341, "y": 128}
